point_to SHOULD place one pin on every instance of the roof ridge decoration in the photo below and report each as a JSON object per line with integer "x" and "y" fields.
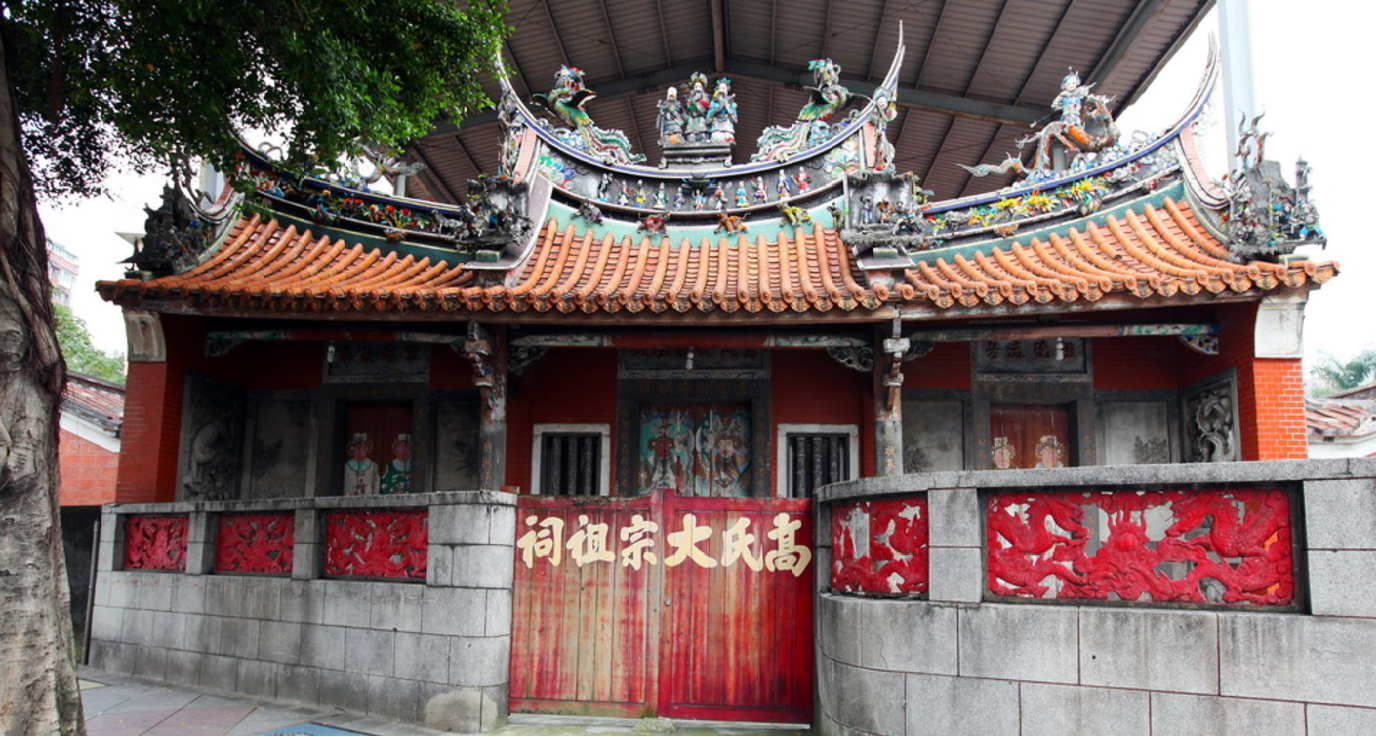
{"x": 566, "y": 101}
{"x": 1084, "y": 127}
{"x": 1266, "y": 218}
{"x": 185, "y": 226}
{"x": 694, "y": 117}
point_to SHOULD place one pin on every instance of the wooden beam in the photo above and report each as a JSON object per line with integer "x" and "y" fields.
{"x": 719, "y": 34}
{"x": 664, "y": 34}
{"x": 554, "y": 29}
{"x": 1032, "y": 331}
{"x": 432, "y": 174}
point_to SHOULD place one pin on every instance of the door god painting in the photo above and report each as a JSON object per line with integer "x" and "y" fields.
{"x": 360, "y": 471}
{"x": 397, "y": 479}
{"x": 696, "y": 450}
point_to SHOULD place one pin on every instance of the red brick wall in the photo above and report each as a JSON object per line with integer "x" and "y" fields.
{"x": 1270, "y": 391}
{"x": 88, "y": 472}
{"x": 449, "y": 370}
{"x": 1279, "y": 397}
{"x": 151, "y": 431}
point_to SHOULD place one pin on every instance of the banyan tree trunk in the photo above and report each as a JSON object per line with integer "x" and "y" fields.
{"x": 38, "y": 687}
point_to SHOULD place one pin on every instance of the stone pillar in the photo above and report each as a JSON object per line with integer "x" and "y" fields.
{"x": 888, "y": 404}
{"x": 200, "y": 544}
{"x": 469, "y": 597}
{"x": 486, "y": 349}
{"x": 308, "y": 546}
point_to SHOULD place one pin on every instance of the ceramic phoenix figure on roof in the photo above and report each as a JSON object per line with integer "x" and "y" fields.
{"x": 826, "y": 98}
{"x": 566, "y": 101}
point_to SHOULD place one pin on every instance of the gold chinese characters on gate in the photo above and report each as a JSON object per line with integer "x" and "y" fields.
{"x": 589, "y": 543}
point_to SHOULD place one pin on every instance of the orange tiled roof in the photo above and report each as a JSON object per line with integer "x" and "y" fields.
{"x": 1145, "y": 252}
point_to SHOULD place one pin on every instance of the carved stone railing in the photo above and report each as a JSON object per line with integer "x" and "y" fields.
{"x": 1154, "y": 598}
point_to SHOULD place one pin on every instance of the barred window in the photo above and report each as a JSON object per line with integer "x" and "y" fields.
{"x": 815, "y": 460}
{"x": 570, "y": 464}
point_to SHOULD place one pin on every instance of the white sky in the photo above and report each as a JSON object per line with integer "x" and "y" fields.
{"x": 1310, "y": 62}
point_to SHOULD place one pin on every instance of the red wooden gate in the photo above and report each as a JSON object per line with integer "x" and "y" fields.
{"x": 715, "y": 623}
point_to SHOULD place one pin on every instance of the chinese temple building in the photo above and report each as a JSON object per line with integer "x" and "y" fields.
{"x": 750, "y": 430}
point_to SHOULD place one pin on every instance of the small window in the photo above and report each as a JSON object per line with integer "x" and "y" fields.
{"x": 571, "y": 460}
{"x": 815, "y": 456}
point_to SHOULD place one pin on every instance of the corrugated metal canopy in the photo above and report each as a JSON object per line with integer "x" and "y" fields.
{"x": 978, "y": 73}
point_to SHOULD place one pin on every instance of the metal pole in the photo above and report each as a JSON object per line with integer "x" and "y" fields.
{"x": 1239, "y": 94}
{"x": 91, "y": 593}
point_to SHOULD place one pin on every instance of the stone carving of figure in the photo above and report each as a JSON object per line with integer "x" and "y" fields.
{"x": 661, "y": 200}
{"x": 697, "y": 104}
{"x": 722, "y": 113}
{"x": 360, "y": 471}
{"x": 671, "y": 118}
{"x": 784, "y": 185}
{"x": 803, "y": 179}
{"x": 397, "y": 479}
{"x": 604, "y": 187}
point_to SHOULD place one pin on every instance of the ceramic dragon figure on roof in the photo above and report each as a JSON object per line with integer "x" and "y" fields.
{"x": 1085, "y": 125}
{"x": 566, "y": 101}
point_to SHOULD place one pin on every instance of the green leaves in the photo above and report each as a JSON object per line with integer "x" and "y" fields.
{"x": 1332, "y": 375}
{"x": 155, "y": 81}
{"x": 80, "y": 353}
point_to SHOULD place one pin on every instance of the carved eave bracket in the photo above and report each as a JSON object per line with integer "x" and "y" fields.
{"x": 519, "y": 358}
{"x": 489, "y": 368}
{"x": 1205, "y": 344}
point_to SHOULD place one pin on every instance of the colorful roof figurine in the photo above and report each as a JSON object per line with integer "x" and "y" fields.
{"x": 818, "y": 221}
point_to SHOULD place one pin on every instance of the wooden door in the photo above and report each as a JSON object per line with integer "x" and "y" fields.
{"x": 1029, "y": 436}
{"x": 581, "y": 634}
{"x": 738, "y": 634}
{"x": 660, "y": 620}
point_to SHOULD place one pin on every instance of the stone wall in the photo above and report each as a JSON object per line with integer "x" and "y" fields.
{"x": 433, "y": 652}
{"x": 954, "y": 663}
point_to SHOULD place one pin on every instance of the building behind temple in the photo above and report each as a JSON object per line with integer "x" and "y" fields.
{"x": 705, "y": 431}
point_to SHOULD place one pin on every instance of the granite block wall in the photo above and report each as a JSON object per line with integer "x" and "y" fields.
{"x": 432, "y": 652}
{"x": 957, "y": 663}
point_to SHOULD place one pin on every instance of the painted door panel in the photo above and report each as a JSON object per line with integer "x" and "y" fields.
{"x": 684, "y": 640}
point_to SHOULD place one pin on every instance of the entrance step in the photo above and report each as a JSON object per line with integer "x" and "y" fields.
{"x": 553, "y": 724}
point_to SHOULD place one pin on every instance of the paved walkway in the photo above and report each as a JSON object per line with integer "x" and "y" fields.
{"x": 125, "y": 705}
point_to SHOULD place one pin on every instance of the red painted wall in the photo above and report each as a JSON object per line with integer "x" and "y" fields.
{"x": 1135, "y": 363}
{"x": 154, "y": 394}
{"x": 946, "y": 367}
{"x": 565, "y": 385}
{"x": 88, "y": 472}
{"x": 809, "y": 387}
{"x": 449, "y": 370}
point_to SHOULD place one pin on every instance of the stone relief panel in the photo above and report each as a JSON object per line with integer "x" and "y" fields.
{"x": 281, "y": 448}
{"x": 1135, "y": 432}
{"x": 208, "y": 462}
{"x": 933, "y": 435}
{"x": 1210, "y": 417}
{"x": 457, "y": 457}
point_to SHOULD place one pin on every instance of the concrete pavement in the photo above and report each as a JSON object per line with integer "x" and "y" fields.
{"x": 125, "y": 705}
